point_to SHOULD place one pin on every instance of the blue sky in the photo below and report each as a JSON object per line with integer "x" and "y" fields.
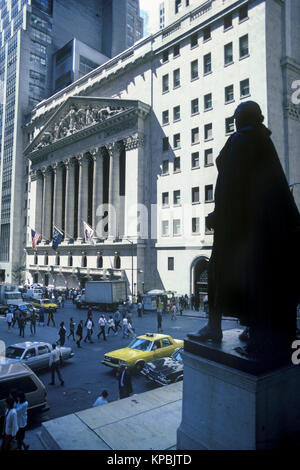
{"x": 150, "y": 13}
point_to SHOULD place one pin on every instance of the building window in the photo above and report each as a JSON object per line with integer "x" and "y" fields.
{"x": 165, "y": 83}
{"x": 207, "y": 102}
{"x": 195, "y": 135}
{"x": 243, "y": 13}
{"x": 84, "y": 261}
{"x": 176, "y": 113}
{"x": 229, "y": 94}
{"x": 170, "y": 264}
{"x": 165, "y": 228}
{"x": 244, "y": 46}
{"x": 195, "y": 106}
{"x": 228, "y": 54}
{"x": 194, "y": 40}
{"x": 70, "y": 260}
{"x": 195, "y": 195}
{"x": 228, "y": 21}
{"x": 117, "y": 261}
{"x": 165, "y": 144}
{"x": 46, "y": 259}
{"x": 178, "y": 5}
{"x": 207, "y": 33}
{"x": 208, "y": 131}
{"x": 176, "y": 197}
{"x": 245, "y": 88}
{"x": 195, "y": 225}
{"x": 165, "y": 199}
{"x": 165, "y": 167}
{"x": 165, "y": 56}
{"x": 57, "y": 260}
{"x": 176, "y": 78}
{"x": 165, "y": 117}
{"x": 195, "y": 160}
{"x": 99, "y": 261}
{"x": 207, "y": 63}
{"x": 209, "y": 194}
{"x": 229, "y": 125}
{"x": 208, "y": 157}
{"x": 194, "y": 69}
{"x": 176, "y": 141}
{"x": 35, "y": 259}
{"x": 176, "y": 50}
{"x": 176, "y": 164}
{"x": 176, "y": 227}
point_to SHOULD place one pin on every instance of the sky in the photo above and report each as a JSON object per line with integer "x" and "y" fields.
{"x": 150, "y": 12}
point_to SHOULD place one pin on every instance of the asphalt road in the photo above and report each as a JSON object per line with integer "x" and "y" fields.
{"x": 84, "y": 375}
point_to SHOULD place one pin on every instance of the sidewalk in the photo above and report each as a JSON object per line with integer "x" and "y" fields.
{"x": 148, "y": 421}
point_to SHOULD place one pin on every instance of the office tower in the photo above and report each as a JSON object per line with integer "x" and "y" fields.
{"x": 34, "y": 39}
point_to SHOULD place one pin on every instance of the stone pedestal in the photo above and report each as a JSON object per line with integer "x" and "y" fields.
{"x": 228, "y": 408}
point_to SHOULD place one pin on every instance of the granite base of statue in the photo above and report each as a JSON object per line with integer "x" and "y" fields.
{"x": 235, "y": 401}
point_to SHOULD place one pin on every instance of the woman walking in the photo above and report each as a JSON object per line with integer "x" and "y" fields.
{"x": 10, "y": 424}
{"x": 79, "y": 333}
{"x": 21, "y": 408}
{"x": 62, "y": 334}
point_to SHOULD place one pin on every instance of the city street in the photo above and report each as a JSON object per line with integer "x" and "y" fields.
{"x": 84, "y": 375}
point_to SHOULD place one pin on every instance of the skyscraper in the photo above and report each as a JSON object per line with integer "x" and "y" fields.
{"x": 31, "y": 33}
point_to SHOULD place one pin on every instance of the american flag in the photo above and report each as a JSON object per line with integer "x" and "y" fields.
{"x": 34, "y": 238}
{"x": 88, "y": 233}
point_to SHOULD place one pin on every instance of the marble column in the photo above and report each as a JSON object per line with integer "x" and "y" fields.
{"x": 83, "y": 189}
{"x": 97, "y": 156}
{"x": 114, "y": 150}
{"x": 69, "y": 200}
{"x": 47, "y": 204}
{"x": 39, "y": 202}
{"x": 57, "y": 195}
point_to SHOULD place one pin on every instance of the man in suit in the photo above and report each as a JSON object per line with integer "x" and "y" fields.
{"x": 124, "y": 378}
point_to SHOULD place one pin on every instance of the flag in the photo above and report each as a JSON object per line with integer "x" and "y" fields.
{"x": 88, "y": 233}
{"x": 56, "y": 237}
{"x": 34, "y": 238}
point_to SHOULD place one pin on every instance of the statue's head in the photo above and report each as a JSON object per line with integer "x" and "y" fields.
{"x": 248, "y": 114}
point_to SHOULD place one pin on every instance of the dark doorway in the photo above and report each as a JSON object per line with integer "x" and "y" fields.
{"x": 200, "y": 279}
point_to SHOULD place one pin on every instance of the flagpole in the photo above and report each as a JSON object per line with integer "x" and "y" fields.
{"x": 68, "y": 235}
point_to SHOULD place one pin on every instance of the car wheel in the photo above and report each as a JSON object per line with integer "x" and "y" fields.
{"x": 138, "y": 367}
{"x": 179, "y": 378}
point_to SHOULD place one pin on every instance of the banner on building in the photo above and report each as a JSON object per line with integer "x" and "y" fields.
{"x": 56, "y": 237}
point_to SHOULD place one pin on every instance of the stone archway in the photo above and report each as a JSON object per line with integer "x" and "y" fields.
{"x": 199, "y": 278}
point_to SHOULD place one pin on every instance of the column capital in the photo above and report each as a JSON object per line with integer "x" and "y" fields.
{"x": 134, "y": 141}
{"x": 114, "y": 147}
{"x": 46, "y": 170}
{"x": 82, "y": 159}
{"x": 69, "y": 162}
{"x": 97, "y": 152}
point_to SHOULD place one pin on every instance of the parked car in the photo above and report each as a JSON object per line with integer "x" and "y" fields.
{"x": 142, "y": 349}
{"x": 28, "y": 309}
{"x": 46, "y": 303}
{"x": 18, "y": 376}
{"x": 35, "y": 354}
{"x": 166, "y": 370}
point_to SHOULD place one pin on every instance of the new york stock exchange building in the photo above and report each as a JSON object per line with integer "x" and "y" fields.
{"x": 130, "y": 149}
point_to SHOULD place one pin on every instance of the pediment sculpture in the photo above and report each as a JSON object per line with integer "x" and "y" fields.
{"x": 77, "y": 118}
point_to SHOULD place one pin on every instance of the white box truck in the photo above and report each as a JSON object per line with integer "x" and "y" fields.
{"x": 10, "y": 294}
{"x": 103, "y": 295}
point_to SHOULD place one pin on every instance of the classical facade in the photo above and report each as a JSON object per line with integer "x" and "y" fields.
{"x": 141, "y": 133}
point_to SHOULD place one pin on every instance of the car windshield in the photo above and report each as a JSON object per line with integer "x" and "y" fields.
{"x": 14, "y": 353}
{"x": 177, "y": 355}
{"x": 141, "y": 344}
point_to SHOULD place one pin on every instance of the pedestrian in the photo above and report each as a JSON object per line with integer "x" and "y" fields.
{"x": 63, "y": 300}
{"x": 159, "y": 318}
{"x": 124, "y": 379}
{"x": 9, "y": 319}
{"x": 111, "y": 325}
{"x": 41, "y": 316}
{"x": 130, "y": 330}
{"x": 59, "y": 298}
{"x": 72, "y": 328}
{"x": 125, "y": 327}
{"x": 15, "y": 312}
{"x": 79, "y": 333}
{"x": 117, "y": 319}
{"x": 62, "y": 333}
{"x": 139, "y": 309}
{"x": 22, "y": 324}
{"x": 22, "y": 406}
{"x": 102, "y": 323}
{"x": 33, "y": 323}
{"x": 54, "y": 364}
{"x": 50, "y": 317}
{"x": 10, "y": 424}
{"x": 89, "y": 330}
{"x": 102, "y": 400}
{"x": 173, "y": 312}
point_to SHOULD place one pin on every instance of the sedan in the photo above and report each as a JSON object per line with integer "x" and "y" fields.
{"x": 166, "y": 370}
{"x": 34, "y": 354}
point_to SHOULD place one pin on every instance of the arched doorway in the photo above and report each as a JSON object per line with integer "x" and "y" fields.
{"x": 200, "y": 280}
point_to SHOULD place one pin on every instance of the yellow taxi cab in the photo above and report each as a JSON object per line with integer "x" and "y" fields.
{"x": 142, "y": 349}
{"x": 45, "y": 303}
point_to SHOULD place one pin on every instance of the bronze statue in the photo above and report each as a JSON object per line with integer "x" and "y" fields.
{"x": 253, "y": 272}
